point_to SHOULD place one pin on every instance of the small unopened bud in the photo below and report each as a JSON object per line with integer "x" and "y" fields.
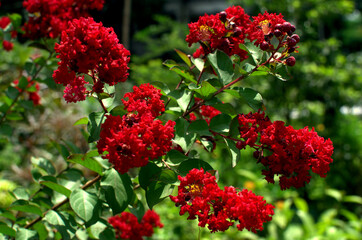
{"x": 222, "y": 16}
{"x": 292, "y": 42}
{"x": 291, "y": 49}
{"x": 237, "y": 32}
{"x": 256, "y": 154}
{"x": 295, "y": 37}
{"x": 279, "y": 26}
{"x": 240, "y": 144}
{"x": 292, "y": 28}
{"x": 290, "y": 61}
{"x": 264, "y": 46}
{"x": 232, "y": 25}
{"x": 286, "y": 27}
{"x": 277, "y": 33}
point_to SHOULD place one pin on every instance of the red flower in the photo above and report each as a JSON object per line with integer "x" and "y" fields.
{"x": 144, "y": 99}
{"x": 213, "y": 32}
{"x": 8, "y": 46}
{"x": 48, "y": 18}
{"x": 263, "y": 25}
{"x": 127, "y": 226}
{"x": 293, "y": 153}
{"x": 4, "y": 22}
{"x": 132, "y": 140}
{"x": 88, "y": 48}
{"x": 200, "y": 196}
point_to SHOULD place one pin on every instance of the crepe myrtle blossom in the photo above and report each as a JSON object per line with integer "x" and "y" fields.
{"x": 200, "y": 197}
{"x": 89, "y": 48}
{"x": 127, "y": 225}
{"x": 291, "y": 153}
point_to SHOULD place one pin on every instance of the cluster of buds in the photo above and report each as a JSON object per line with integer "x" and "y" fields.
{"x": 9, "y": 33}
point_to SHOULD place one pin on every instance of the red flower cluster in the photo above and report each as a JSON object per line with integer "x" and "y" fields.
{"x": 48, "y": 18}
{"x": 206, "y": 112}
{"x": 200, "y": 196}
{"x": 267, "y": 25}
{"x": 224, "y": 31}
{"x": 144, "y": 99}
{"x": 31, "y": 89}
{"x": 88, "y": 48}
{"x": 293, "y": 152}
{"x": 133, "y": 139}
{"x": 128, "y": 227}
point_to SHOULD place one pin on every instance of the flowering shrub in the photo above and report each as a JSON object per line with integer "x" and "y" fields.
{"x": 142, "y": 149}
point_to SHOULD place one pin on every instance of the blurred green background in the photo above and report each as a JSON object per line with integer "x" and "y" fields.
{"x": 323, "y": 91}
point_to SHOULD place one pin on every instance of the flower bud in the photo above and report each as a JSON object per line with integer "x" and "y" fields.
{"x": 290, "y": 61}
{"x": 279, "y": 27}
{"x": 264, "y": 46}
{"x": 295, "y": 37}
{"x": 292, "y": 28}
{"x": 277, "y": 33}
{"x": 222, "y": 16}
{"x": 286, "y": 27}
{"x": 237, "y": 32}
{"x": 240, "y": 144}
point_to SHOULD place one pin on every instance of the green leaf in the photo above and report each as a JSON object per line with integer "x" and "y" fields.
{"x": 101, "y": 230}
{"x": 118, "y": 190}
{"x": 301, "y": 204}
{"x": 4, "y": 229}
{"x": 223, "y": 66}
{"x": 21, "y": 193}
{"x": 200, "y": 127}
{"x": 182, "y": 137}
{"x": 225, "y": 108}
{"x": 255, "y": 52}
{"x": 175, "y": 157}
{"x": 30, "y": 68}
{"x": 7, "y": 214}
{"x": 6, "y": 129}
{"x": 25, "y": 206}
{"x": 63, "y": 222}
{"x": 86, "y": 161}
{"x": 338, "y": 195}
{"x": 252, "y": 97}
{"x": 23, "y": 83}
{"x": 27, "y": 104}
{"x": 44, "y": 164}
{"x": 162, "y": 86}
{"x": 83, "y": 203}
{"x": 184, "y": 57}
{"x": 56, "y": 187}
{"x": 206, "y": 90}
{"x": 14, "y": 116}
{"x": 220, "y": 123}
{"x": 15, "y": 20}
{"x": 190, "y": 164}
{"x": 199, "y": 63}
{"x": 81, "y": 121}
{"x": 353, "y": 199}
{"x": 41, "y": 230}
{"x": 182, "y": 97}
{"x": 156, "y": 192}
{"x": 168, "y": 176}
{"x": 148, "y": 174}
{"x": 234, "y": 151}
{"x": 94, "y": 125}
{"x": 26, "y": 234}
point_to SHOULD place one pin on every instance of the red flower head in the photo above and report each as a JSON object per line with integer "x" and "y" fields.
{"x": 132, "y": 140}
{"x": 127, "y": 226}
{"x": 48, "y": 18}
{"x": 144, "y": 99}
{"x": 4, "y": 22}
{"x": 200, "y": 196}
{"x": 224, "y": 31}
{"x": 88, "y": 48}
{"x": 293, "y": 152}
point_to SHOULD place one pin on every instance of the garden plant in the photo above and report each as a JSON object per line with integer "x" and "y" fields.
{"x": 148, "y": 145}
